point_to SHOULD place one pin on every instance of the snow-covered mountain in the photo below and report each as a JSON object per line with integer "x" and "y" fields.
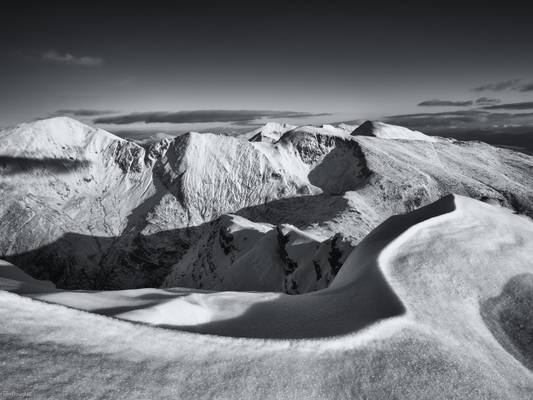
{"x": 86, "y": 209}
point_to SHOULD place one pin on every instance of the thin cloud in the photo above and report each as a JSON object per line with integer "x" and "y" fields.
{"x": 438, "y": 119}
{"x": 200, "y": 116}
{"x": 526, "y": 105}
{"x": 82, "y": 112}
{"x": 445, "y": 103}
{"x": 466, "y": 119}
{"x": 528, "y": 87}
{"x": 511, "y": 84}
{"x": 487, "y": 101}
{"x": 52, "y": 56}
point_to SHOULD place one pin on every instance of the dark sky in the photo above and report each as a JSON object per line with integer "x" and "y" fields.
{"x": 435, "y": 66}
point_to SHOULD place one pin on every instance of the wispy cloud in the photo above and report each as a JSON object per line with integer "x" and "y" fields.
{"x": 487, "y": 101}
{"x": 445, "y": 103}
{"x": 439, "y": 119}
{"x": 526, "y": 105}
{"x": 83, "y": 112}
{"x": 53, "y": 56}
{"x": 464, "y": 119}
{"x": 511, "y": 84}
{"x": 528, "y": 87}
{"x": 200, "y": 116}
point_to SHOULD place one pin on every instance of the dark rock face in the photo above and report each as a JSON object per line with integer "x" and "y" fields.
{"x": 129, "y": 157}
{"x": 336, "y": 255}
{"x": 289, "y": 265}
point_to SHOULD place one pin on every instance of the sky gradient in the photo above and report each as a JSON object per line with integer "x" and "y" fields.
{"x": 173, "y": 68}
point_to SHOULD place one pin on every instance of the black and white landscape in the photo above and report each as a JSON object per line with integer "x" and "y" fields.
{"x": 265, "y": 254}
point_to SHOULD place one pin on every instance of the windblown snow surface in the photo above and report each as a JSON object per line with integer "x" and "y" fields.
{"x": 431, "y": 304}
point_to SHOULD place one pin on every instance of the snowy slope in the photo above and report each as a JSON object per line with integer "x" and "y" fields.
{"x": 431, "y": 304}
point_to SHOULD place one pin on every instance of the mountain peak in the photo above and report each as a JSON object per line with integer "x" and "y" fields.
{"x": 270, "y": 132}
{"x": 62, "y": 130}
{"x": 388, "y": 131}
{"x": 58, "y": 137}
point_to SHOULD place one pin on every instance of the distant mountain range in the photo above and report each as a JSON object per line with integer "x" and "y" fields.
{"x": 86, "y": 209}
